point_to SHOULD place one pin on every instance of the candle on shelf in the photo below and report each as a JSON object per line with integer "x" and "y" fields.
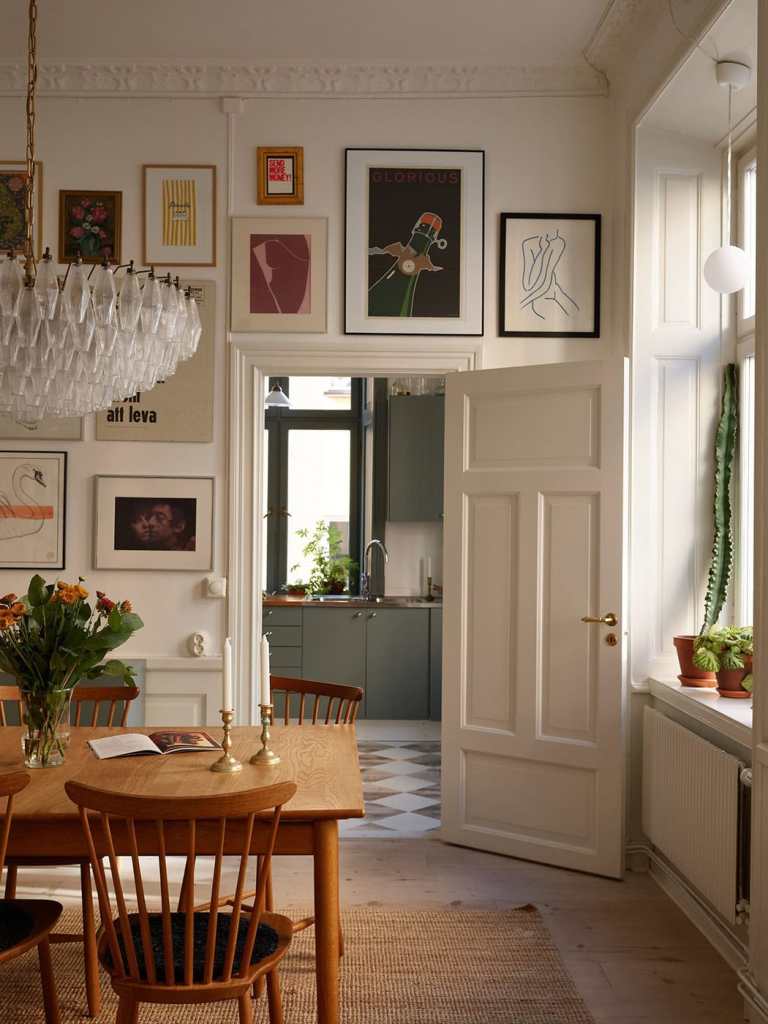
{"x": 227, "y": 695}
{"x": 265, "y": 687}
{"x": 429, "y": 566}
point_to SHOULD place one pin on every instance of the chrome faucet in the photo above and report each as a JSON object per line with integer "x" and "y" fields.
{"x": 365, "y": 575}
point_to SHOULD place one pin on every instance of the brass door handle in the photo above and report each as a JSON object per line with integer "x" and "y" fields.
{"x": 605, "y": 620}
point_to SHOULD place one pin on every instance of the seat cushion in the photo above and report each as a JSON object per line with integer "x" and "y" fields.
{"x": 265, "y": 945}
{"x": 15, "y": 924}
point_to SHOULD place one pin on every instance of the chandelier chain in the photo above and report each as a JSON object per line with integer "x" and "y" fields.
{"x": 31, "y": 90}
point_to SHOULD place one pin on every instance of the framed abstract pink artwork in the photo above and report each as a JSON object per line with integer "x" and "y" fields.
{"x": 279, "y": 274}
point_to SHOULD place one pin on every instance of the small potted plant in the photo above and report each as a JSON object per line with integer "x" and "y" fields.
{"x": 50, "y": 639}
{"x": 331, "y": 569}
{"x": 727, "y": 651}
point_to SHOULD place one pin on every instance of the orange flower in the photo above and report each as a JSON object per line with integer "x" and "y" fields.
{"x": 126, "y": 606}
{"x": 81, "y": 591}
{"x": 8, "y": 599}
{"x": 17, "y": 608}
{"x": 67, "y": 596}
{"x": 7, "y": 618}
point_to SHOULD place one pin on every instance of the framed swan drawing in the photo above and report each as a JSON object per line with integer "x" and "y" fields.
{"x": 33, "y": 490}
{"x": 549, "y": 275}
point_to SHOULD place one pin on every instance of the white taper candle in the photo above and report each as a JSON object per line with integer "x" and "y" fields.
{"x": 265, "y": 687}
{"x": 227, "y": 694}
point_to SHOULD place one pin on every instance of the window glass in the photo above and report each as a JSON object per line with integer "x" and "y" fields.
{"x": 320, "y": 393}
{"x": 318, "y": 490}
{"x": 749, "y": 234}
{"x": 745, "y": 562}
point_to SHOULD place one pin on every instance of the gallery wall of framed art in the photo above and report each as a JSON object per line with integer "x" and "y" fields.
{"x": 33, "y": 509}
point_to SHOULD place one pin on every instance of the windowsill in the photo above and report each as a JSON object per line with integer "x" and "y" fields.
{"x": 729, "y": 717}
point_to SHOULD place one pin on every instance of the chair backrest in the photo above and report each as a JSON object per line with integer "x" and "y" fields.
{"x": 103, "y": 696}
{"x": 11, "y": 694}
{"x": 210, "y": 825}
{"x": 10, "y": 785}
{"x": 342, "y": 703}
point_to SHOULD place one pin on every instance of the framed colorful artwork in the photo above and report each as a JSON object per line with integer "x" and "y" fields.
{"x": 279, "y": 274}
{"x": 414, "y": 241}
{"x": 33, "y": 497}
{"x": 13, "y": 209}
{"x": 177, "y": 409}
{"x": 549, "y": 275}
{"x": 280, "y": 175}
{"x": 153, "y": 522}
{"x": 180, "y": 215}
{"x": 90, "y": 223}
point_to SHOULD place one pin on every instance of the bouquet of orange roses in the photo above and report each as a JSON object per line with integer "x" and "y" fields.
{"x": 50, "y": 639}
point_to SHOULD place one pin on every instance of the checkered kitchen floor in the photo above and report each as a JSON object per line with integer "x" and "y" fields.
{"x": 401, "y": 785}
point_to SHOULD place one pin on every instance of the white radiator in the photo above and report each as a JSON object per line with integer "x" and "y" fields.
{"x": 691, "y": 808}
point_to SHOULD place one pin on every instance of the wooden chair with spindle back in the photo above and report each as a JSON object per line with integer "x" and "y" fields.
{"x": 25, "y": 924}
{"x": 115, "y": 701}
{"x": 185, "y": 956}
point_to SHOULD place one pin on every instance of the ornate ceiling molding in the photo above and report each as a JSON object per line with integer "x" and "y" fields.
{"x": 301, "y": 80}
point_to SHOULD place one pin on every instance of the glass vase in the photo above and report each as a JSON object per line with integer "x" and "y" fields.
{"x": 45, "y": 717}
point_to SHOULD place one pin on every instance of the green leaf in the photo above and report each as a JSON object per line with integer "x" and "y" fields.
{"x": 115, "y": 619}
{"x": 36, "y": 594}
{"x": 132, "y": 621}
{"x": 722, "y": 544}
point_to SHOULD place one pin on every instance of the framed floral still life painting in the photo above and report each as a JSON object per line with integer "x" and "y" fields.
{"x": 280, "y": 174}
{"x": 549, "y": 275}
{"x": 33, "y": 495}
{"x": 13, "y": 210}
{"x": 414, "y": 241}
{"x": 180, "y": 215}
{"x": 279, "y": 274}
{"x": 153, "y": 522}
{"x": 90, "y": 223}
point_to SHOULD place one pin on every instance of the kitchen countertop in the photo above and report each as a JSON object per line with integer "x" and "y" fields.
{"x": 291, "y": 601}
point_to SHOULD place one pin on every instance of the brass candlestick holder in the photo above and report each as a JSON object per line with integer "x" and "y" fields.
{"x": 265, "y": 755}
{"x": 227, "y": 763}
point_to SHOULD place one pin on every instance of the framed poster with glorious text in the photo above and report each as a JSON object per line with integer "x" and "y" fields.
{"x": 279, "y": 274}
{"x": 33, "y": 498}
{"x": 414, "y": 241}
{"x": 180, "y": 215}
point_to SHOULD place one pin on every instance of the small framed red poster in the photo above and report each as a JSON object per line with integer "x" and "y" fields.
{"x": 280, "y": 175}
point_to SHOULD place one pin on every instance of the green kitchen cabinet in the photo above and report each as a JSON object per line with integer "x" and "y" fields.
{"x": 397, "y": 663}
{"x": 415, "y": 458}
{"x": 334, "y": 645}
{"x": 436, "y": 664}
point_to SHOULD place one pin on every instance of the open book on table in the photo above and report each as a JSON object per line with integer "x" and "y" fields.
{"x": 170, "y": 741}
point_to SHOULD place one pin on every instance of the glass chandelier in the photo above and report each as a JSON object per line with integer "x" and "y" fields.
{"x": 75, "y": 347}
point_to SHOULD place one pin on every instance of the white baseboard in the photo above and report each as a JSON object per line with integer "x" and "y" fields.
{"x": 734, "y": 952}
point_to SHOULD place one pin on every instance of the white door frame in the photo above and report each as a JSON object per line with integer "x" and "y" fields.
{"x": 251, "y": 359}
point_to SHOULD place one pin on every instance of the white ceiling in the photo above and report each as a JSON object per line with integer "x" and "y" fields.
{"x": 510, "y": 32}
{"x": 693, "y": 103}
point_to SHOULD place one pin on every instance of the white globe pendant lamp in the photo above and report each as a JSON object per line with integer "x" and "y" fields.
{"x": 727, "y": 268}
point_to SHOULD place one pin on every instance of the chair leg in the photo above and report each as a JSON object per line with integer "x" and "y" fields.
{"x": 245, "y": 1009}
{"x": 50, "y": 999}
{"x": 11, "y": 876}
{"x": 273, "y": 995}
{"x": 127, "y": 1011}
{"x": 92, "y": 988}
{"x": 258, "y": 985}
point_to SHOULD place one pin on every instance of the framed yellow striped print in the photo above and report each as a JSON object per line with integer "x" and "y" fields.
{"x": 180, "y": 215}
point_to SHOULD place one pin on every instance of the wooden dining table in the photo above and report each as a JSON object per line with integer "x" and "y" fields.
{"x": 321, "y": 759}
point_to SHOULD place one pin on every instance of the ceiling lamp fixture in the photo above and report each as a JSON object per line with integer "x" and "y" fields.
{"x": 277, "y": 398}
{"x": 75, "y": 347}
{"x": 727, "y": 268}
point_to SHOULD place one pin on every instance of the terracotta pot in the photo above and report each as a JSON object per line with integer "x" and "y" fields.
{"x": 729, "y": 681}
{"x": 690, "y": 674}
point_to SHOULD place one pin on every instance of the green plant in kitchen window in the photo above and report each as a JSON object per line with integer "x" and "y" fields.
{"x": 330, "y": 569}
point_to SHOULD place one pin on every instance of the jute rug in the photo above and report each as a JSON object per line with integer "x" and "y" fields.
{"x": 438, "y": 966}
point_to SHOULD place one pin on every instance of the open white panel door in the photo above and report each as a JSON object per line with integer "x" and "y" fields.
{"x": 533, "y": 704}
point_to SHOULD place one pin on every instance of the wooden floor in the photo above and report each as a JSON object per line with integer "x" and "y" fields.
{"x": 634, "y": 956}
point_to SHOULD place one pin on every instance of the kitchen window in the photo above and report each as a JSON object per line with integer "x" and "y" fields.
{"x": 746, "y": 184}
{"x": 313, "y": 471}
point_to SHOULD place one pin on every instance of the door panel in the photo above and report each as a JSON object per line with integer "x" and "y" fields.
{"x": 533, "y": 713}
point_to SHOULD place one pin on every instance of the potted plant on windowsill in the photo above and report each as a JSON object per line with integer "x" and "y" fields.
{"x": 330, "y": 569}
{"x": 692, "y": 673}
{"x": 727, "y": 651}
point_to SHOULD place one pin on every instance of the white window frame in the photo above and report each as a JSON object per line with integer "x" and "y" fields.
{"x": 745, "y": 326}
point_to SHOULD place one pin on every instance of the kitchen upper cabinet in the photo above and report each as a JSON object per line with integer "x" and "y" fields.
{"x": 397, "y": 663}
{"x": 415, "y": 458}
{"x": 334, "y": 645}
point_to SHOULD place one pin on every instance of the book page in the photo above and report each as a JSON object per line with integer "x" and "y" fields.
{"x": 124, "y": 745}
{"x": 176, "y": 741}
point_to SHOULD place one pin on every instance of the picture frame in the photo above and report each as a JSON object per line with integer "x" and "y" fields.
{"x": 180, "y": 215}
{"x": 179, "y": 409}
{"x": 153, "y": 523}
{"x": 409, "y": 213}
{"x": 15, "y": 237}
{"x": 280, "y": 175}
{"x": 33, "y": 509}
{"x": 279, "y": 267}
{"x": 550, "y": 275}
{"x": 51, "y": 428}
{"x": 90, "y": 222}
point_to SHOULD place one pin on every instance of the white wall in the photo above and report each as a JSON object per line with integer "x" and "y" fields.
{"x": 541, "y": 154}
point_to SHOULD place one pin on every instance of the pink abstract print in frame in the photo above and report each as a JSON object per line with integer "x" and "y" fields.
{"x": 281, "y": 276}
